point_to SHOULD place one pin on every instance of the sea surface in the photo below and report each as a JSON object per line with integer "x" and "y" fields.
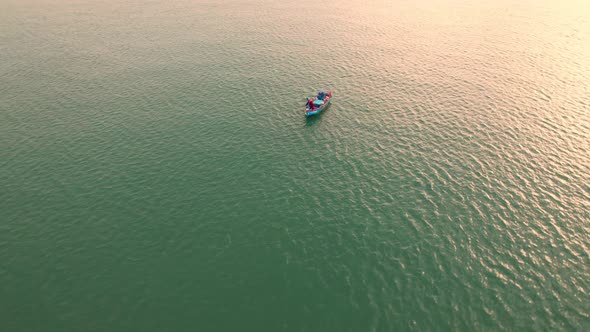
{"x": 157, "y": 172}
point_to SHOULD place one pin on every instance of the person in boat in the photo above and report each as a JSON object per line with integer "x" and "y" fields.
{"x": 321, "y": 95}
{"x": 310, "y": 104}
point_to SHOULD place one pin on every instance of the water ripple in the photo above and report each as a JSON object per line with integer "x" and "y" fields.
{"x": 158, "y": 171}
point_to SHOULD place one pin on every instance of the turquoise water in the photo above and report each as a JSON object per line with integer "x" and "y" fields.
{"x": 158, "y": 173}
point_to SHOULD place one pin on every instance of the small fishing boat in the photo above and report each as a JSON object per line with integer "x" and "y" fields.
{"x": 318, "y": 103}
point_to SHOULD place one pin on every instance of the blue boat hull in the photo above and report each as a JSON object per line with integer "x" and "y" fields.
{"x": 318, "y": 110}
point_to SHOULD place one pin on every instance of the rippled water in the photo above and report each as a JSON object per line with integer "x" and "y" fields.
{"x": 158, "y": 173}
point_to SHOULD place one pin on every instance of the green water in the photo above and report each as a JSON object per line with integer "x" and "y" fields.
{"x": 157, "y": 172}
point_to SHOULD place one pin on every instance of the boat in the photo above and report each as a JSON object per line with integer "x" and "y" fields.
{"x": 320, "y": 103}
